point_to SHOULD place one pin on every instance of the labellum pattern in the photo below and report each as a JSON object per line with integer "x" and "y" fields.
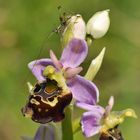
{"x": 113, "y": 134}
{"x": 46, "y": 102}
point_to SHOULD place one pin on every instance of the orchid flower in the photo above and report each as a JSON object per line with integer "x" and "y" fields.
{"x": 101, "y": 120}
{"x": 68, "y": 66}
{"x": 58, "y": 81}
{"x": 76, "y": 28}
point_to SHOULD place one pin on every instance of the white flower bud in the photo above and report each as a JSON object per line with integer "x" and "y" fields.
{"x": 98, "y": 24}
{"x": 76, "y": 28}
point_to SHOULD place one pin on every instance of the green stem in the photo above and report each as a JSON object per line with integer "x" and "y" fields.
{"x": 67, "y": 132}
{"x": 76, "y": 126}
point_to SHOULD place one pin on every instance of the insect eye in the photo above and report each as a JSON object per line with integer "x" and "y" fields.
{"x": 37, "y": 88}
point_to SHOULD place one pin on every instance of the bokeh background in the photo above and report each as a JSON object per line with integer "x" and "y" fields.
{"x": 25, "y": 24}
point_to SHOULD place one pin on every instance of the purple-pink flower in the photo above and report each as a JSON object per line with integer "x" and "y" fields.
{"x": 102, "y": 120}
{"x": 72, "y": 56}
{"x": 91, "y": 120}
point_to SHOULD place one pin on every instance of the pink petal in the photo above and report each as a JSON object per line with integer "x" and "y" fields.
{"x": 109, "y": 106}
{"x": 83, "y": 90}
{"x": 56, "y": 62}
{"x": 91, "y": 123}
{"x": 71, "y": 72}
{"x": 37, "y": 67}
{"x": 88, "y": 107}
{"x": 75, "y": 53}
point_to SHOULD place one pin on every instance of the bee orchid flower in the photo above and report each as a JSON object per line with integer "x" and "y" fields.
{"x": 72, "y": 56}
{"x": 58, "y": 81}
{"x": 102, "y": 120}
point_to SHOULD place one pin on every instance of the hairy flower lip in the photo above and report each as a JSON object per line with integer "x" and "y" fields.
{"x": 43, "y": 109}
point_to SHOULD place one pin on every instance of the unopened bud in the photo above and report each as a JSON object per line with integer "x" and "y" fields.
{"x": 76, "y": 28}
{"x": 95, "y": 66}
{"x": 98, "y": 24}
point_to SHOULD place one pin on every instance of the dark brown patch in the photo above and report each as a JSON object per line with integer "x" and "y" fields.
{"x": 51, "y": 99}
{"x": 112, "y": 133}
{"x": 44, "y": 112}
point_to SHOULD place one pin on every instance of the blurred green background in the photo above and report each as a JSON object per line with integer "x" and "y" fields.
{"x": 24, "y": 25}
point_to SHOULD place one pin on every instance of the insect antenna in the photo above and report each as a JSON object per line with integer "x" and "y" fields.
{"x": 64, "y": 16}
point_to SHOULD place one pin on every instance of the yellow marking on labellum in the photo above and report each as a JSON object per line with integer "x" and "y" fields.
{"x": 34, "y": 101}
{"x": 28, "y": 113}
{"x": 46, "y": 110}
{"x": 39, "y": 109}
{"x": 51, "y": 103}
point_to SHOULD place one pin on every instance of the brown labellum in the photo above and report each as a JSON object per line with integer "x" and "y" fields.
{"x": 47, "y": 102}
{"x": 113, "y": 134}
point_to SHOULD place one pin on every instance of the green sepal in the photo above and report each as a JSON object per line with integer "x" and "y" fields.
{"x": 116, "y": 117}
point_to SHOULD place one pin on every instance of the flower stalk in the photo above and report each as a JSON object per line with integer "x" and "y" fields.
{"x": 76, "y": 126}
{"x": 67, "y": 132}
